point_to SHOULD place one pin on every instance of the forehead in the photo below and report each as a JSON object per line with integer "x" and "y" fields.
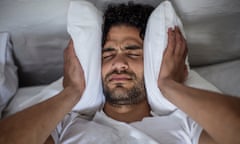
{"x": 123, "y": 33}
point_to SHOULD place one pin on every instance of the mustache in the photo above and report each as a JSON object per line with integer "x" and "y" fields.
{"x": 130, "y": 73}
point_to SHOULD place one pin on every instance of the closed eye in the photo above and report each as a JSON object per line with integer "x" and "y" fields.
{"x": 108, "y": 53}
{"x": 108, "y": 56}
{"x": 133, "y": 51}
{"x": 132, "y": 55}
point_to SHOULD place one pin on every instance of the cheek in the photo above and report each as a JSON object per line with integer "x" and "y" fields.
{"x": 140, "y": 73}
{"x": 138, "y": 69}
{"x": 104, "y": 70}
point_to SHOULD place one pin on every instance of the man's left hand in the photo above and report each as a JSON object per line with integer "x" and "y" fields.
{"x": 173, "y": 63}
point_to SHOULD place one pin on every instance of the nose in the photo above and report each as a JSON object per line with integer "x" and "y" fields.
{"x": 120, "y": 63}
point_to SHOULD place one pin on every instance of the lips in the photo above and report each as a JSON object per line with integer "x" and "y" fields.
{"x": 119, "y": 78}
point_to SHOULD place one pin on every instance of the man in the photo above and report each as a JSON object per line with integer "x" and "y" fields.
{"x": 122, "y": 75}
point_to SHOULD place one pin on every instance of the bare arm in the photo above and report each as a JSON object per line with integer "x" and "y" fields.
{"x": 218, "y": 114}
{"x": 35, "y": 124}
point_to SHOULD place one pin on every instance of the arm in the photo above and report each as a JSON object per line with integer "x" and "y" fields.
{"x": 218, "y": 114}
{"x": 35, "y": 124}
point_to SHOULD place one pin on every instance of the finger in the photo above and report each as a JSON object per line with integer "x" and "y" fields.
{"x": 185, "y": 52}
{"x": 66, "y": 53}
{"x": 71, "y": 48}
{"x": 171, "y": 42}
{"x": 67, "y": 49}
{"x": 71, "y": 55}
{"x": 69, "y": 52}
{"x": 180, "y": 43}
{"x": 184, "y": 44}
{"x": 81, "y": 70}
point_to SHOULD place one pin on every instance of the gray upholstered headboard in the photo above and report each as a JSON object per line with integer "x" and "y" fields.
{"x": 39, "y": 35}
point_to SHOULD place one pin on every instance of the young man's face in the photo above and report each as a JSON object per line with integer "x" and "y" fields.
{"x": 122, "y": 66}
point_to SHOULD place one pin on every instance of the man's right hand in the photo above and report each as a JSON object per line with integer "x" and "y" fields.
{"x": 35, "y": 124}
{"x": 73, "y": 71}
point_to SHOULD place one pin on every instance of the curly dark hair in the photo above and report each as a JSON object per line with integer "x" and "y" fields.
{"x": 129, "y": 14}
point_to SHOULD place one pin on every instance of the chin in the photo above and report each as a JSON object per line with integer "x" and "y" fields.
{"x": 119, "y": 91}
{"x": 120, "y": 86}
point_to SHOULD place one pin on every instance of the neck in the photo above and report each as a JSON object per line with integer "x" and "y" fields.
{"x": 127, "y": 113}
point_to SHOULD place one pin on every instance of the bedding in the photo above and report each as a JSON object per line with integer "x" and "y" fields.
{"x": 223, "y": 75}
{"x": 84, "y": 28}
{"x": 22, "y": 95}
{"x": 8, "y": 75}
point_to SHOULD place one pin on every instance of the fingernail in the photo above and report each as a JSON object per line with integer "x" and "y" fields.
{"x": 171, "y": 29}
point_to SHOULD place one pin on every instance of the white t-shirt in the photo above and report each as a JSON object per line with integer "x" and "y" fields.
{"x": 175, "y": 128}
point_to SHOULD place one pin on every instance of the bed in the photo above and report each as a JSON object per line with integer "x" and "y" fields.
{"x": 38, "y": 35}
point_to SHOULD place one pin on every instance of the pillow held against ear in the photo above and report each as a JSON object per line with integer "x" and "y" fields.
{"x": 155, "y": 42}
{"x": 85, "y": 28}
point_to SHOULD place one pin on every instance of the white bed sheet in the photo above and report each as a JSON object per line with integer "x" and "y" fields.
{"x": 21, "y": 95}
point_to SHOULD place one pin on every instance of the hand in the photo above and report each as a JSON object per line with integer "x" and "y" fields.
{"x": 173, "y": 63}
{"x": 73, "y": 72}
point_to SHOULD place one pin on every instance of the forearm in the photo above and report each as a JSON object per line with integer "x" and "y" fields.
{"x": 219, "y": 115}
{"x": 35, "y": 124}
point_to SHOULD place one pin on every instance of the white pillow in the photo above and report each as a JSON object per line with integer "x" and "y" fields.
{"x": 8, "y": 71}
{"x": 155, "y": 42}
{"x": 85, "y": 28}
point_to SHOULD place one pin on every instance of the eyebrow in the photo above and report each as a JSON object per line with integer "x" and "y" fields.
{"x": 107, "y": 49}
{"x": 133, "y": 47}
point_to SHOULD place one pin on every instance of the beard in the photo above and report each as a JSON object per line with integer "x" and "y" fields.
{"x": 120, "y": 95}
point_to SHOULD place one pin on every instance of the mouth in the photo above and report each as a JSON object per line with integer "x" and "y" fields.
{"x": 119, "y": 78}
